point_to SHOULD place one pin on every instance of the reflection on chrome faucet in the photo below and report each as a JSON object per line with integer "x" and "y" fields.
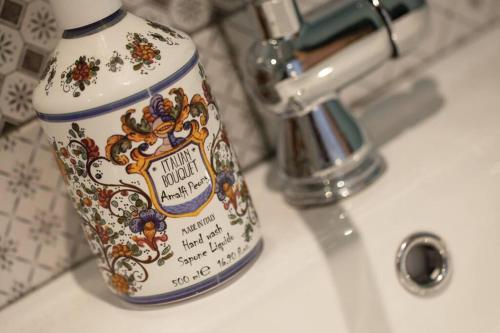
{"x": 297, "y": 71}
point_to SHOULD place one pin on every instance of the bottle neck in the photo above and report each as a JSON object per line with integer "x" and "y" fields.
{"x": 95, "y": 27}
{"x": 75, "y": 14}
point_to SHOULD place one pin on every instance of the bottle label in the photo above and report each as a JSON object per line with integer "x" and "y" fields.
{"x": 164, "y": 205}
{"x": 181, "y": 181}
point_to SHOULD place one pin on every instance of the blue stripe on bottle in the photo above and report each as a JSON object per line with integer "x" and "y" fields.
{"x": 122, "y": 103}
{"x": 95, "y": 27}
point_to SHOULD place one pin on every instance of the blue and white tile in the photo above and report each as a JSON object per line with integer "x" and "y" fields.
{"x": 11, "y": 45}
{"x": 39, "y": 26}
{"x": 190, "y": 15}
{"x": 25, "y": 42}
{"x": 15, "y": 97}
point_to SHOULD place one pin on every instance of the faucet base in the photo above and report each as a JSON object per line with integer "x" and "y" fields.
{"x": 331, "y": 188}
{"x": 324, "y": 154}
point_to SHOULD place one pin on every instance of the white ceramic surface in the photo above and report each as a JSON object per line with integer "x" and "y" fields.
{"x": 332, "y": 269}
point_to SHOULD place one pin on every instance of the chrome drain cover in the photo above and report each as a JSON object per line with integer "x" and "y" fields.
{"x": 423, "y": 264}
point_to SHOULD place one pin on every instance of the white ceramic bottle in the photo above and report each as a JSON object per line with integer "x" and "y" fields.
{"x": 138, "y": 138}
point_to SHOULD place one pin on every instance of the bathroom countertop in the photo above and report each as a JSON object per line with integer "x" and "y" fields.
{"x": 333, "y": 267}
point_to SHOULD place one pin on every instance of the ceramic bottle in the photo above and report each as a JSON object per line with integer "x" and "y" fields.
{"x": 138, "y": 138}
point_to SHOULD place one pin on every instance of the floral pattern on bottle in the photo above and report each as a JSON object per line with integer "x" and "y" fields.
{"x": 115, "y": 62}
{"x": 173, "y": 33}
{"x": 79, "y": 75}
{"x": 49, "y": 73}
{"x": 231, "y": 189}
{"x": 126, "y": 225}
{"x": 207, "y": 90}
{"x": 122, "y": 227}
{"x": 143, "y": 54}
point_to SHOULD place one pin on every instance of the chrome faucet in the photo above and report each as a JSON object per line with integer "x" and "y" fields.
{"x": 297, "y": 71}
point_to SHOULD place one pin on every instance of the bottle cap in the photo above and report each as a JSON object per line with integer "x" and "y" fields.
{"x": 72, "y": 14}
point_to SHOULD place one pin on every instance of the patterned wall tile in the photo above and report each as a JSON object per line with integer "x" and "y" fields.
{"x": 190, "y": 15}
{"x": 40, "y": 235}
{"x": 11, "y": 12}
{"x": 11, "y": 45}
{"x": 187, "y": 15}
{"x": 28, "y": 32}
{"x": 15, "y": 97}
{"x": 228, "y": 6}
{"x": 39, "y": 26}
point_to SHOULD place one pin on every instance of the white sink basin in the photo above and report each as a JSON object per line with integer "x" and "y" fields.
{"x": 332, "y": 269}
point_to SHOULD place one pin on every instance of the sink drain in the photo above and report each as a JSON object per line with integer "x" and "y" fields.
{"x": 423, "y": 264}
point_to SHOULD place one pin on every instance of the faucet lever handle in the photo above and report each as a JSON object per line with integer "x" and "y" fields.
{"x": 386, "y": 19}
{"x": 278, "y": 18}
